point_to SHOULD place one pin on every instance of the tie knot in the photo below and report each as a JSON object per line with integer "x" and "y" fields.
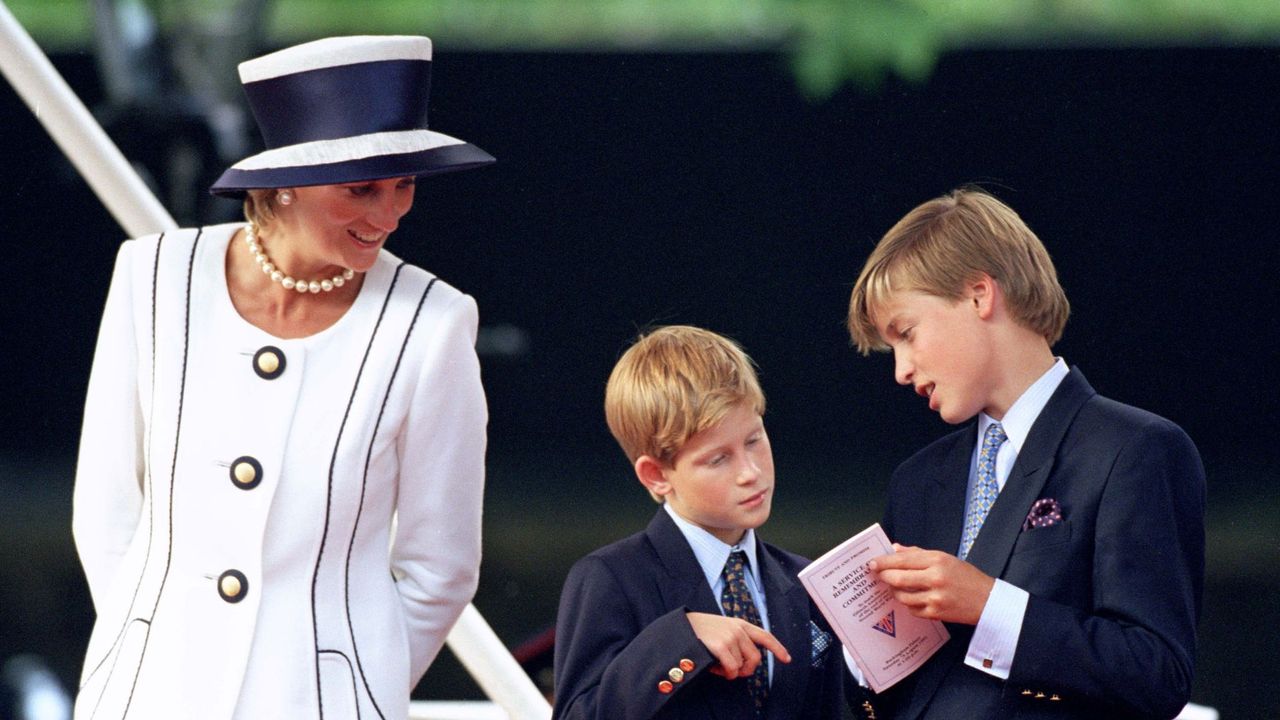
{"x": 994, "y": 437}
{"x": 735, "y": 566}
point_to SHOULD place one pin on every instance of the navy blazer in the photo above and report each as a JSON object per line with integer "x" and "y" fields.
{"x": 622, "y": 628}
{"x": 1115, "y": 587}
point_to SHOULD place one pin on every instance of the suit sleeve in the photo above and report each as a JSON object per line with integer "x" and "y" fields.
{"x": 607, "y": 665}
{"x": 1136, "y": 648}
{"x": 436, "y": 553}
{"x": 107, "y": 500}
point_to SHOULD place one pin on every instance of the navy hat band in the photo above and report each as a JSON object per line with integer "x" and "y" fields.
{"x": 341, "y": 101}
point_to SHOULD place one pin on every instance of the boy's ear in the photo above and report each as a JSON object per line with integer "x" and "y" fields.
{"x": 984, "y": 293}
{"x": 650, "y": 473}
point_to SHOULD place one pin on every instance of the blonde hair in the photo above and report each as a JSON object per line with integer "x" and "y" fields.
{"x": 941, "y": 245}
{"x": 673, "y": 383}
{"x": 260, "y": 206}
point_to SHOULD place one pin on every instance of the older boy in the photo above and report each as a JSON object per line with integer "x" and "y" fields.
{"x": 666, "y": 623}
{"x": 1061, "y": 534}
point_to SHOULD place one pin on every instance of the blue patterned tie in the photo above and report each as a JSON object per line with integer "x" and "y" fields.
{"x": 985, "y": 489}
{"x": 736, "y": 601}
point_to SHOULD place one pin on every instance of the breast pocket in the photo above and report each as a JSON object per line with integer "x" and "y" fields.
{"x": 1036, "y": 539}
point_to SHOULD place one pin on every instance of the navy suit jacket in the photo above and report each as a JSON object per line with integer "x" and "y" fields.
{"x": 622, "y": 628}
{"x": 1115, "y": 587}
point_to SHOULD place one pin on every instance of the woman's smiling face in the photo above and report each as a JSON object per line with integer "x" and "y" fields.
{"x": 345, "y": 225}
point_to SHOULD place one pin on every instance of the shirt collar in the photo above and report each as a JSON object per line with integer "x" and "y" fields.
{"x": 1024, "y": 411}
{"x": 710, "y": 552}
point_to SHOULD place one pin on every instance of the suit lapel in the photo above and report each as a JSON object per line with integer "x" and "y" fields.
{"x": 991, "y": 551}
{"x": 944, "y": 504}
{"x": 788, "y": 607}
{"x": 684, "y": 585}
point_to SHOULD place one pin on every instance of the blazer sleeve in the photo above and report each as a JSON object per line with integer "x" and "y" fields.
{"x": 608, "y": 665}
{"x": 1136, "y": 648}
{"x": 107, "y": 500}
{"x": 436, "y": 551}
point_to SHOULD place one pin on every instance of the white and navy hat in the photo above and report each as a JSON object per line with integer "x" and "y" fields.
{"x": 344, "y": 109}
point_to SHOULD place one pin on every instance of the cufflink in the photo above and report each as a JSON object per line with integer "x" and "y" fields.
{"x": 986, "y": 663}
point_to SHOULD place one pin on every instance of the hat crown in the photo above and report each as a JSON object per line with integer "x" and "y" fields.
{"x": 338, "y": 88}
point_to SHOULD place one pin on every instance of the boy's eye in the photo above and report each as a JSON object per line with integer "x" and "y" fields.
{"x": 360, "y": 190}
{"x": 407, "y": 182}
{"x": 716, "y": 460}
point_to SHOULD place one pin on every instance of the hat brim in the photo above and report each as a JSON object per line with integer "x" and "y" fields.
{"x": 433, "y": 161}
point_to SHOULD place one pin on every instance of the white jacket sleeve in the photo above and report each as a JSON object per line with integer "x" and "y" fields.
{"x": 107, "y": 500}
{"x": 436, "y": 553}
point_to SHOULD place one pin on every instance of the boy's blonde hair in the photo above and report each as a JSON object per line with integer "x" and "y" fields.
{"x": 673, "y": 383}
{"x": 943, "y": 244}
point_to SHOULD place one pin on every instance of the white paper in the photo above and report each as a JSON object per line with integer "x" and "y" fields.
{"x": 885, "y": 640}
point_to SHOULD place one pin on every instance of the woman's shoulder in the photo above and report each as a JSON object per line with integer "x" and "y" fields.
{"x": 184, "y": 237}
{"x": 416, "y": 285}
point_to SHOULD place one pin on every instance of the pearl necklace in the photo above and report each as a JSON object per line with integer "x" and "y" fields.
{"x": 302, "y": 286}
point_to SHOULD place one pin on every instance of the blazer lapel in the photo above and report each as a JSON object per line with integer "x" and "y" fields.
{"x": 990, "y": 552}
{"x": 788, "y": 607}
{"x": 944, "y": 506}
{"x": 684, "y": 584}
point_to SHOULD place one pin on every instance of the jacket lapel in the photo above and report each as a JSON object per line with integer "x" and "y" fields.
{"x": 683, "y": 585}
{"x": 990, "y": 552}
{"x": 944, "y": 505}
{"x": 788, "y": 607}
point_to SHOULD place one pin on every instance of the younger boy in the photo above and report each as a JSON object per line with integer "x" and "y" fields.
{"x": 1061, "y": 534}
{"x": 666, "y": 623}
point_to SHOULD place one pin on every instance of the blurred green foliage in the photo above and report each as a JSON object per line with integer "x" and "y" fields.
{"x": 830, "y": 42}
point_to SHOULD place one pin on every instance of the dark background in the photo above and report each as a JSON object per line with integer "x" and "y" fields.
{"x": 705, "y": 189}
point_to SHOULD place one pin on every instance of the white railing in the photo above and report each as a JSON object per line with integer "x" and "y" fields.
{"x": 138, "y": 211}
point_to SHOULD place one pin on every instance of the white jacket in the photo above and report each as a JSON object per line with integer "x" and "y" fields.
{"x": 234, "y": 524}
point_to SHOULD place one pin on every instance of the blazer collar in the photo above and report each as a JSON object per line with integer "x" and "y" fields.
{"x": 990, "y": 552}
{"x": 686, "y": 587}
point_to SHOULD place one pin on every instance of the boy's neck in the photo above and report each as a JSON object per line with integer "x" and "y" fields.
{"x": 1026, "y": 357}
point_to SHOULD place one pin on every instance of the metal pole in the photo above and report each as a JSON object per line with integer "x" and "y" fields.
{"x": 138, "y": 211}
{"x": 85, "y": 143}
{"x": 493, "y": 667}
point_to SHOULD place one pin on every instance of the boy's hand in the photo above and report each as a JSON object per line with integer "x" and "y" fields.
{"x": 934, "y": 584}
{"x": 733, "y": 642}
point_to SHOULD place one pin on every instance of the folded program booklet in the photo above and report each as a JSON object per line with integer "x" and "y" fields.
{"x": 886, "y": 641}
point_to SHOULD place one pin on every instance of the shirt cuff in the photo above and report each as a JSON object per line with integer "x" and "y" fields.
{"x": 995, "y": 639}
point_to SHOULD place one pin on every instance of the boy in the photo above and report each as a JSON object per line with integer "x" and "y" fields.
{"x": 666, "y": 623}
{"x": 1061, "y": 534}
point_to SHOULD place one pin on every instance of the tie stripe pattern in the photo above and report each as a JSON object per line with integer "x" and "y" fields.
{"x": 735, "y": 600}
{"x": 985, "y": 489}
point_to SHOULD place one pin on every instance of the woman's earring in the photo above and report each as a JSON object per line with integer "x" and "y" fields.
{"x": 286, "y": 197}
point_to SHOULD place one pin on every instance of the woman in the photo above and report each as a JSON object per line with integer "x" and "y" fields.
{"x": 275, "y": 405}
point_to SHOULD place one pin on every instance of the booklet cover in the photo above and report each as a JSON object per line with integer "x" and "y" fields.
{"x": 886, "y": 641}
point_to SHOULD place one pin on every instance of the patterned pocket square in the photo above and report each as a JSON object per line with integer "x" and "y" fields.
{"x": 1045, "y": 512}
{"x": 821, "y": 641}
